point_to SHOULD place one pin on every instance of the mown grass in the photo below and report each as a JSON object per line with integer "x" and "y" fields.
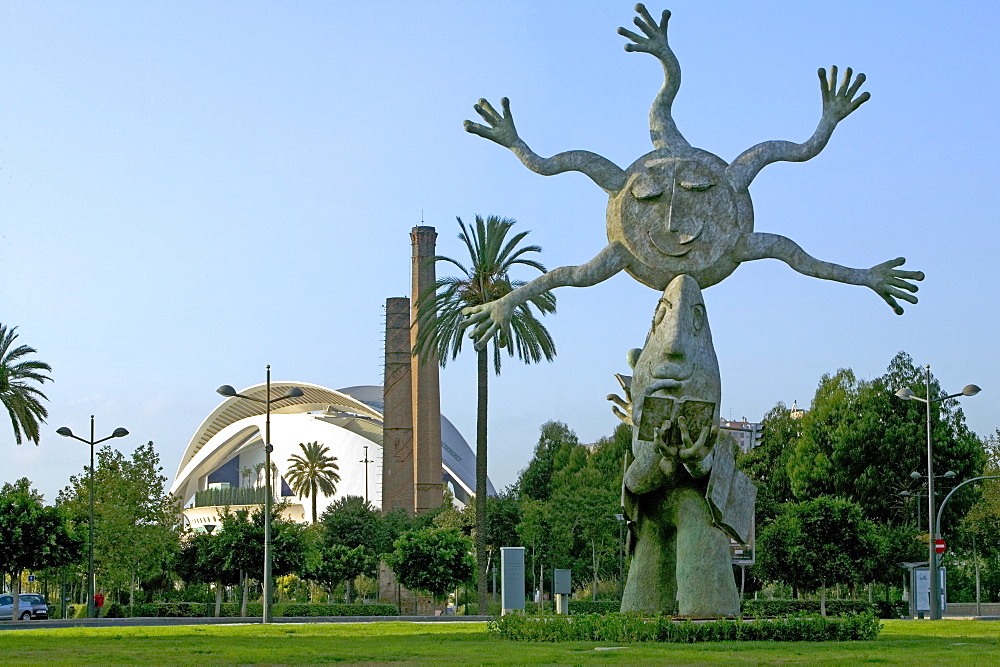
{"x": 901, "y": 642}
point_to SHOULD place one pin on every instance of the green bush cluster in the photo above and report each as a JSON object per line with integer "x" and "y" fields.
{"x": 296, "y": 609}
{"x": 636, "y": 628}
{"x": 770, "y": 608}
{"x": 231, "y": 610}
{"x": 594, "y": 606}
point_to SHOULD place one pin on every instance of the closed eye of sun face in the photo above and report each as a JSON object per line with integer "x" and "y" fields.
{"x": 697, "y": 186}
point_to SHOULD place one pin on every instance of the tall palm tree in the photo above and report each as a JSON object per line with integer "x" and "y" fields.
{"x": 17, "y": 393}
{"x": 258, "y": 478}
{"x": 313, "y": 471}
{"x": 486, "y": 278}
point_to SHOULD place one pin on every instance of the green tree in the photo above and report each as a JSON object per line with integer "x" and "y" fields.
{"x": 432, "y": 560}
{"x": 485, "y": 279}
{"x": 351, "y": 521}
{"x": 18, "y": 393}
{"x": 816, "y": 543}
{"x": 861, "y": 442}
{"x": 766, "y": 463}
{"x": 535, "y": 481}
{"x": 241, "y": 538}
{"x": 33, "y": 536}
{"x": 337, "y": 563}
{"x": 136, "y": 526}
{"x": 313, "y": 471}
{"x": 202, "y": 559}
{"x": 981, "y": 526}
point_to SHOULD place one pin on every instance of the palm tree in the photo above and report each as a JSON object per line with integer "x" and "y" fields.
{"x": 314, "y": 471}
{"x": 246, "y": 472}
{"x": 491, "y": 256}
{"x": 17, "y": 374}
{"x": 258, "y": 468}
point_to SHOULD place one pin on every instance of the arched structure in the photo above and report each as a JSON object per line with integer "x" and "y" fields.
{"x": 224, "y": 458}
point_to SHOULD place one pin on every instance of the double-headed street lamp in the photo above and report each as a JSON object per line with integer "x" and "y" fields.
{"x": 906, "y": 495}
{"x": 907, "y": 395}
{"x": 291, "y": 392}
{"x": 66, "y": 433}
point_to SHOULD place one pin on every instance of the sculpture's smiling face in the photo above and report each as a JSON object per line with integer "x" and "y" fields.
{"x": 676, "y": 214}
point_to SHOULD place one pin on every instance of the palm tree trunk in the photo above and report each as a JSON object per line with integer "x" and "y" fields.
{"x": 482, "y": 562}
{"x": 313, "y": 490}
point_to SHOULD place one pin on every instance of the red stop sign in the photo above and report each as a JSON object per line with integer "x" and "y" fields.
{"x": 939, "y": 545}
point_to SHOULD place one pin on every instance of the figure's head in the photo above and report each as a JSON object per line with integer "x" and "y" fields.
{"x": 679, "y": 213}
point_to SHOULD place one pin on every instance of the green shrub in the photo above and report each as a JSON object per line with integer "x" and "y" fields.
{"x": 472, "y": 609}
{"x": 633, "y": 628}
{"x": 594, "y": 606}
{"x": 113, "y": 610}
{"x": 297, "y": 609}
{"x": 769, "y": 608}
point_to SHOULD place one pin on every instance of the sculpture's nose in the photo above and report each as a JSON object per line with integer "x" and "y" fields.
{"x": 672, "y": 226}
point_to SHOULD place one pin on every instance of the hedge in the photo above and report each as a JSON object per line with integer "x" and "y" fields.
{"x": 770, "y": 608}
{"x": 231, "y": 610}
{"x": 635, "y": 628}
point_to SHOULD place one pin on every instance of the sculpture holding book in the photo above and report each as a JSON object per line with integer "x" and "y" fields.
{"x": 680, "y": 220}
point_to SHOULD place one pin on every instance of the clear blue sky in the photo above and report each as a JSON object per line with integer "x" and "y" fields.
{"x": 190, "y": 191}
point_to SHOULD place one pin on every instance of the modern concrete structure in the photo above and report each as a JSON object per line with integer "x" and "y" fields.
{"x": 229, "y": 444}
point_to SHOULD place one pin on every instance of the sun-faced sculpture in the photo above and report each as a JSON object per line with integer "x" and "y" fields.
{"x": 680, "y": 220}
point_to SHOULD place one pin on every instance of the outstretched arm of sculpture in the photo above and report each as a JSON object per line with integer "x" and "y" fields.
{"x": 609, "y": 176}
{"x": 491, "y": 317}
{"x": 838, "y": 104}
{"x": 662, "y": 128}
{"x": 885, "y": 279}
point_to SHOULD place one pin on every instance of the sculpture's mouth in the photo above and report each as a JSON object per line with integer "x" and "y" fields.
{"x": 682, "y": 240}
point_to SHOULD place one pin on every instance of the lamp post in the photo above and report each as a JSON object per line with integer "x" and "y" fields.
{"x": 291, "y": 392}
{"x": 906, "y": 495}
{"x": 621, "y": 561}
{"x": 66, "y": 433}
{"x": 366, "y": 461}
{"x": 907, "y": 395}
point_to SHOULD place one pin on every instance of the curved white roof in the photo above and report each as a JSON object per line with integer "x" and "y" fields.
{"x": 235, "y": 428}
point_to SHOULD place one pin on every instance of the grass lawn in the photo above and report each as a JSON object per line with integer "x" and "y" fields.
{"x": 901, "y": 642}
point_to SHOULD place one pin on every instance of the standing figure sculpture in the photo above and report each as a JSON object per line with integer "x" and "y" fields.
{"x": 681, "y": 494}
{"x": 679, "y": 220}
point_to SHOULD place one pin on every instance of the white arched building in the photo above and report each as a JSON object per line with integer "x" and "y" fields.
{"x": 229, "y": 444}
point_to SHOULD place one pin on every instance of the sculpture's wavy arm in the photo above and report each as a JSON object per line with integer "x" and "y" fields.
{"x": 488, "y": 319}
{"x": 662, "y": 129}
{"x": 838, "y": 104}
{"x": 609, "y": 176}
{"x": 885, "y": 279}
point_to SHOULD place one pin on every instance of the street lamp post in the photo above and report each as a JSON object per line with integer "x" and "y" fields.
{"x": 907, "y": 395}
{"x": 66, "y": 433}
{"x": 291, "y": 392}
{"x": 366, "y": 461}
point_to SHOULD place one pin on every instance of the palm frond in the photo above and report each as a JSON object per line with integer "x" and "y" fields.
{"x": 17, "y": 393}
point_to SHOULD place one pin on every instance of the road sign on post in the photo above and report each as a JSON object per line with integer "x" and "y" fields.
{"x": 939, "y": 545}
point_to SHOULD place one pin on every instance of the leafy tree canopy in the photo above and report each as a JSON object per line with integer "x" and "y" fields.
{"x": 433, "y": 560}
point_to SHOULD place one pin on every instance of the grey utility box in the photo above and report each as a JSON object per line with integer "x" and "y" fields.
{"x": 512, "y": 578}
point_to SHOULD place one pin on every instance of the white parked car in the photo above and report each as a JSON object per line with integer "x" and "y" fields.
{"x": 7, "y": 608}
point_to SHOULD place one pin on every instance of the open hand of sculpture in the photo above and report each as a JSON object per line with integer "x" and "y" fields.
{"x": 889, "y": 282}
{"x": 501, "y": 126}
{"x": 692, "y": 453}
{"x": 839, "y": 104}
{"x": 655, "y": 41}
{"x": 488, "y": 319}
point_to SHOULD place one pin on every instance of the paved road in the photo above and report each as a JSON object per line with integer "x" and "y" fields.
{"x": 200, "y": 620}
